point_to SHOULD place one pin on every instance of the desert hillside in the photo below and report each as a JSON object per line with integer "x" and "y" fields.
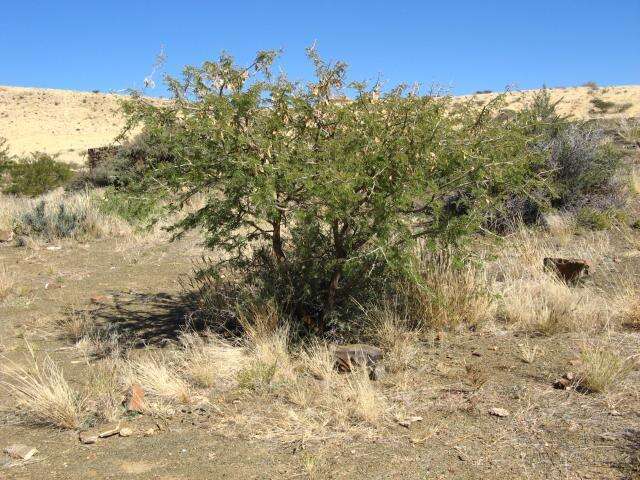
{"x": 66, "y": 123}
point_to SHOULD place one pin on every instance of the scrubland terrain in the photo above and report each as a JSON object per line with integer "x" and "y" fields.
{"x": 110, "y": 312}
{"x": 177, "y": 309}
{"x": 67, "y": 123}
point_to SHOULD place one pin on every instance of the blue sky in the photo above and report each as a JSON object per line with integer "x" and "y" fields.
{"x": 465, "y": 45}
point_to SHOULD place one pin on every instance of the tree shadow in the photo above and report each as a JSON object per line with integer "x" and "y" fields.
{"x": 143, "y": 319}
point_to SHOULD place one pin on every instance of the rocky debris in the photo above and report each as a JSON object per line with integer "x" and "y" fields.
{"x": 108, "y": 431}
{"x": 126, "y": 432}
{"x": 88, "y": 438}
{"x": 406, "y": 422}
{"x": 566, "y": 382}
{"x": 359, "y": 355}
{"x": 134, "y": 399}
{"x": 53, "y": 248}
{"x": 6, "y": 236}
{"x": 91, "y": 436}
{"x": 20, "y": 451}
{"x": 569, "y": 270}
{"x": 499, "y": 412}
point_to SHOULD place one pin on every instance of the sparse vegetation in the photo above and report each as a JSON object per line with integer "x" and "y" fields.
{"x": 35, "y": 175}
{"x": 603, "y": 366}
{"x": 43, "y": 394}
{"x": 416, "y": 224}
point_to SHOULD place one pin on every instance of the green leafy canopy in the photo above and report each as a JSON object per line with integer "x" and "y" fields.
{"x": 329, "y": 183}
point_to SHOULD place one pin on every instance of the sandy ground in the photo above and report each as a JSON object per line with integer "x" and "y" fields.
{"x": 66, "y": 123}
{"x": 550, "y": 434}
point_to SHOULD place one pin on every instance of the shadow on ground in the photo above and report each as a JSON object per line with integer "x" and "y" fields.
{"x": 144, "y": 319}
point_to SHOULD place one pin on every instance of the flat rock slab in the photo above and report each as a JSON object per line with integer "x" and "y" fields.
{"x": 20, "y": 451}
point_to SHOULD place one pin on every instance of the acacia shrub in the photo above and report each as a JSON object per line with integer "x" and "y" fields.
{"x": 317, "y": 193}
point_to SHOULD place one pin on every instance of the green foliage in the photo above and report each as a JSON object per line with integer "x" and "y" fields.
{"x": 257, "y": 376}
{"x": 317, "y": 200}
{"x": 36, "y": 175}
{"x": 132, "y": 208}
{"x": 593, "y": 219}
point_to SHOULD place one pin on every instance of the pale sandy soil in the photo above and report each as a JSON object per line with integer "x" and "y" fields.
{"x": 66, "y": 123}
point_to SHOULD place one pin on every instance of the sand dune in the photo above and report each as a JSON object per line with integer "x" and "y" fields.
{"x": 66, "y": 123}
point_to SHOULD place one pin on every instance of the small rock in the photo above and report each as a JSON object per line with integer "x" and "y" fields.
{"x": 149, "y": 432}
{"x": 134, "y": 400}
{"x": 6, "y": 236}
{"x": 20, "y": 451}
{"x": 109, "y": 431}
{"x": 88, "y": 437}
{"x": 615, "y": 413}
{"x": 493, "y": 348}
{"x": 499, "y": 412}
{"x": 566, "y": 382}
{"x": 568, "y": 270}
{"x": 54, "y": 248}
{"x": 476, "y": 354}
{"x": 562, "y": 384}
{"x": 406, "y": 422}
{"x": 126, "y": 432}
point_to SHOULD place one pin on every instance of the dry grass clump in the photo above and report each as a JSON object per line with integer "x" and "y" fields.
{"x": 449, "y": 297}
{"x": 548, "y": 307}
{"x": 105, "y": 391}
{"x": 537, "y": 301}
{"x": 391, "y": 331}
{"x": 7, "y": 283}
{"x": 528, "y": 351}
{"x": 361, "y": 399}
{"x": 603, "y": 366}
{"x": 76, "y": 324}
{"x": 269, "y": 357}
{"x": 210, "y": 361}
{"x": 159, "y": 378}
{"x": 43, "y": 393}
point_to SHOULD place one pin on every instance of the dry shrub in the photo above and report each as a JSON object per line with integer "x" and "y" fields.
{"x": 627, "y": 304}
{"x": 603, "y": 366}
{"x": 449, "y": 297}
{"x": 76, "y": 324}
{"x": 391, "y": 331}
{"x": 537, "y": 301}
{"x": 361, "y": 399}
{"x": 267, "y": 341}
{"x": 210, "y": 361}
{"x": 7, "y": 283}
{"x": 43, "y": 393}
{"x": 159, "y": 378}
{"x": 58, "y": 215}
{"x": 105, "y": 389}
{"x": 548, "y": 306}
{"x": 318, "y": 361}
